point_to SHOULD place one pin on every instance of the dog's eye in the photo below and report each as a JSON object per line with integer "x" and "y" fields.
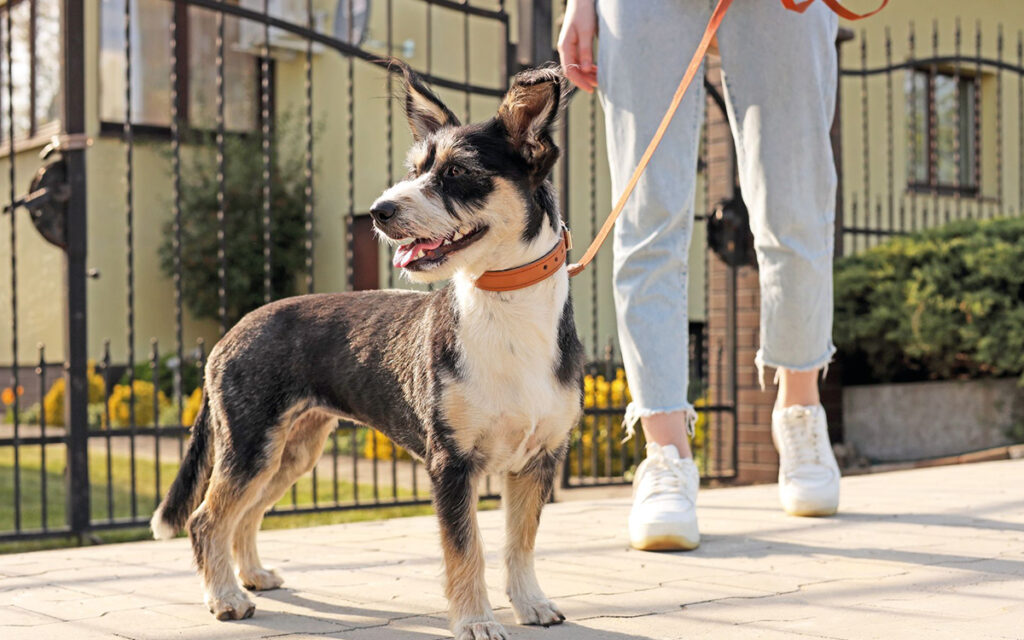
{"x": 453, "y": 171}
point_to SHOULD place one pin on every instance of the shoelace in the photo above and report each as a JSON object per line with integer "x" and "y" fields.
{"x": 802, "y": 441}
{"x": 665, "y": 477}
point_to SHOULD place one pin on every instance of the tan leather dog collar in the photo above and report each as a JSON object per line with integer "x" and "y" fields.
{"x": 529, "y": 274}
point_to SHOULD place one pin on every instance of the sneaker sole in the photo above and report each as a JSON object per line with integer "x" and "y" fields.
{"x": 811, "y": 512}
{"x": 664, "y": 543}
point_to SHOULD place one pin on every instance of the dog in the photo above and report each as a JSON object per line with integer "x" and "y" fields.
{"x": 468, "y": 380}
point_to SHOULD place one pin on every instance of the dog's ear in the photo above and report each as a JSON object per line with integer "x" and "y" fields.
{"x": 528, "y": 112}
{"x": 425, "y": 111}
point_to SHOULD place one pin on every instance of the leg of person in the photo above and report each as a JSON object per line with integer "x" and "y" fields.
{"x": 797, "y": 388}
{"x": 643, "y": 50}
{"x": 780, "y": 74}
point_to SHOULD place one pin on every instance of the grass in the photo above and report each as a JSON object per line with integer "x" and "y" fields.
{"x": 33, "y": 474}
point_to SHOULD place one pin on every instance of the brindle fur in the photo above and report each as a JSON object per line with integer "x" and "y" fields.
{"x": 418, "y": 367}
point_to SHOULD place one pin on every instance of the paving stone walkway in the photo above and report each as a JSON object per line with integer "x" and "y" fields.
{"x": 929, "y": 553}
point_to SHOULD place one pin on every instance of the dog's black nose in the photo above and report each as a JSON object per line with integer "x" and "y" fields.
{"x": 382, "y": 211}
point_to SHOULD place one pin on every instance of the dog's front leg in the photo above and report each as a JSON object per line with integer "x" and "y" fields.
{"x": 454, "y": 482}
{"x": 524, "y": 497}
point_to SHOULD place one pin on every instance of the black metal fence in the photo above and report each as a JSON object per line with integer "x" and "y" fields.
{"x": 93, "y": 436}
{"x": 933, "y": 130}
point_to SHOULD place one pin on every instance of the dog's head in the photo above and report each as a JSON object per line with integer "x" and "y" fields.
{"x": 476, "y": 197}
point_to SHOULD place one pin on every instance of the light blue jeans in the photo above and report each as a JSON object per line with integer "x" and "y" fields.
{"x": 780, "y": 73}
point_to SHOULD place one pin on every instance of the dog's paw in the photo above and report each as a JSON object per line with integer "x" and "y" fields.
{"x": 537, "y": 610}
{"x": 480, "y": 630}
{"x": 261, "y": 579}
{"x": 231, "y": 606}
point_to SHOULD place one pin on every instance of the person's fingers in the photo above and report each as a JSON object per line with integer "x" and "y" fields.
{"x": 585, "y": 80}
{"x": 586, "y": 53}
{"x": 580, "y": 79}
{"x": 588, "y": 77}
{"x": 576, "y": 50}
{"x": 568, "y": 50}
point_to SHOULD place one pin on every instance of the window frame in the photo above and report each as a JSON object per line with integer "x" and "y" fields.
{"x": 115, "y": 128}
{"x": 36, "y": 131}
{"x": 973, "y": 159}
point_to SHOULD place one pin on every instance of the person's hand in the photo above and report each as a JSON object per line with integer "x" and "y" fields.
{"x": 576, "y": 44}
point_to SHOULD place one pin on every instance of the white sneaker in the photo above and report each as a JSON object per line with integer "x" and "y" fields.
{"x": 808, "y": 473}
{"x": 664, "y": 515}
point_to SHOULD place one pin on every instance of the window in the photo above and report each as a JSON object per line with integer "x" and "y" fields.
{"x": 197, "y": 73}
{"x": 941, "y": 112}
{"x": 35, "y": 66}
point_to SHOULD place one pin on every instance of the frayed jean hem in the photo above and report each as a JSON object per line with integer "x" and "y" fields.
{"x": 635, "y": 412}
{"x": 821, "y": 363}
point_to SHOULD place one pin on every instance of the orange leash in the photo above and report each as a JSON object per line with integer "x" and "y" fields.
{"x": 698, "y": 56}
{"x": 843, "y": 12}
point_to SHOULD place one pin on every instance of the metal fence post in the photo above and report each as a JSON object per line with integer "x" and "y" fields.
{"x": 836, "y": 138}
{"x": 77, "y": 388}
{"x": 535, "y": 46}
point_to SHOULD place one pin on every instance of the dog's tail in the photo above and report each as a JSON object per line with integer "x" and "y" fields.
{"x": 188, "y": 487}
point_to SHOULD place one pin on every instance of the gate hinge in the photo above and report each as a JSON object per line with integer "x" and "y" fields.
{"x": 728, "y": 232}
{"x": 49, "y": 192}
{"x": 66, "y": 142}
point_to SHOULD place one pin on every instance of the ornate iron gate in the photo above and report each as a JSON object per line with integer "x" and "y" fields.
{"x": 205, "y": 200}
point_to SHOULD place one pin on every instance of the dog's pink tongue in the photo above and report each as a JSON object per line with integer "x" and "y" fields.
{"x": 407, "y": 253}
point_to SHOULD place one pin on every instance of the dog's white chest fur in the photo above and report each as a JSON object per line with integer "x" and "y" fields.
{"x": 508, "y": 405}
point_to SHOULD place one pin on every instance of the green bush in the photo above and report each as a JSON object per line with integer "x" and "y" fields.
{"x": 941, "y": 304}
{"x": 243, "y": 222}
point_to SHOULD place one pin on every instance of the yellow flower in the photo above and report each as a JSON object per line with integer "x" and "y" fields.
{"x": 120, "y": 404}
{"x": 97, "y": 388}
{"x": 191, "y": 408}
{"x": 384, "y": 448}
{"x": 53, "y": 403}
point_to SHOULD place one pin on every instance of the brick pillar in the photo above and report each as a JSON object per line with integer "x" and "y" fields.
{"x": 757, "y": 460}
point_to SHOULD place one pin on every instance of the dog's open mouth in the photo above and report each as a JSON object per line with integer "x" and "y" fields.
{"x": 423, "y": 252}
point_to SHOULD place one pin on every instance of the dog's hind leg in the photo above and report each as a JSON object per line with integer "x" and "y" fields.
{"x": 454, "y": 482}
{"x": 211, "y": 529}
{"x": 524, "y": 496}
{"x": 302, "y": 449}
{"x": 236, "y": 485}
